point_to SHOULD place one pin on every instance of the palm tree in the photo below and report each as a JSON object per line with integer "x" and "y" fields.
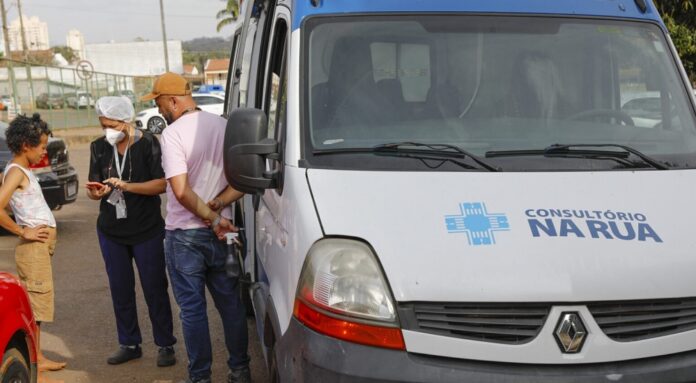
{"x": 228, "y": 15}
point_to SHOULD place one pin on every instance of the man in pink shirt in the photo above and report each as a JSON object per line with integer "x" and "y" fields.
{"x": 198, "y": 199}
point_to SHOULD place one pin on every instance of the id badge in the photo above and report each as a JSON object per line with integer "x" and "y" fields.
{"x": 116, "y": 195}
{"x": 121, "y": 212}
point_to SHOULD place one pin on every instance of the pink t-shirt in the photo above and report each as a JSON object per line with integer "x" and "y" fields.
{"x": 193, "y": 145}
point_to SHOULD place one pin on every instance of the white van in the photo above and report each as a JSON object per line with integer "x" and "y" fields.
{"x": 451, "y": 190}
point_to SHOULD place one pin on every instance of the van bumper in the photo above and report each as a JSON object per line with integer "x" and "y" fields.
{"x": 304, "y": 355}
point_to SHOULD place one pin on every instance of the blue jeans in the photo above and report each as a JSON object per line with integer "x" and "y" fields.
{"x": 196, "y": 259}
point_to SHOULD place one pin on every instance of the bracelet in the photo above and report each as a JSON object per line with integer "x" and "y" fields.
{"x": 216, "y": 221}
{"x": 21, "y": 232}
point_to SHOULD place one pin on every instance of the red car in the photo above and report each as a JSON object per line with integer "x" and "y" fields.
{"x": 17, "y": 333}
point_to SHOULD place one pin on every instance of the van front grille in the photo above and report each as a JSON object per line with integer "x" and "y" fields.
{"x": 636, "y": 320}
{"x": 489, "y": 322}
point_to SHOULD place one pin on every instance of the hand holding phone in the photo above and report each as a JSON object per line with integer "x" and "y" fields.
{"x": 94, "y": 185}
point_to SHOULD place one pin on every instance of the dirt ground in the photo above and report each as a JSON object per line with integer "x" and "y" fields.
{"x": 84, "y": 331}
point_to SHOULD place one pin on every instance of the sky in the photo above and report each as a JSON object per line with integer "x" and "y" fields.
{"x": 101, "y": 21}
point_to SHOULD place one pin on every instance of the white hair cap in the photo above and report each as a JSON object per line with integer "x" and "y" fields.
{"x": 115, "y": 108}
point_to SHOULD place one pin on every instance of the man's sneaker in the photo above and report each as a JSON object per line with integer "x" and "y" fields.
{"x": 165, "y": 357}
{"x": 239, "y": 375}
{"x": 124, "y": 354}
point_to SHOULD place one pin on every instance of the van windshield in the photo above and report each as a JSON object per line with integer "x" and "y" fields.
{"x": 489, "y": 84}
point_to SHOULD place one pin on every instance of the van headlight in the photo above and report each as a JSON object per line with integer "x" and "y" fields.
{"x": 342, "y": 293}
{"x": 343, "y": 276}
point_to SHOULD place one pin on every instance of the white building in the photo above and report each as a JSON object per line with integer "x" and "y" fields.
{"x": 144, "y": 58}
{"x": 76, "y": 41}
{"x": 36, "y": 32}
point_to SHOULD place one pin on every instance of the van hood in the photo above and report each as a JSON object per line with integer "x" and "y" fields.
{"x": 519, "y": 237}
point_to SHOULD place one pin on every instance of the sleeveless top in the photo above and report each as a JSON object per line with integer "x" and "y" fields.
{"x": 28, "y": 205}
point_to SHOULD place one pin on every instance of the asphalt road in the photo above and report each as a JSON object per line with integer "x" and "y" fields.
{"x": 84, "y": 331}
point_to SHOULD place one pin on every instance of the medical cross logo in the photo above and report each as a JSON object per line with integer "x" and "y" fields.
{"x": 477, "y": 223}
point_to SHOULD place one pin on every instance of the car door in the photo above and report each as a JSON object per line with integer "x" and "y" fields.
{"x": 210, "y": 104}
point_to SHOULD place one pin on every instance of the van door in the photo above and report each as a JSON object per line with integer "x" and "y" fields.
{"x": 271, "y": 235}
{"x": 244, "y": 73}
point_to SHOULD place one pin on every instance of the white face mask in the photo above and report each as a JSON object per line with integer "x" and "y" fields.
{"x": 114, "y": 136}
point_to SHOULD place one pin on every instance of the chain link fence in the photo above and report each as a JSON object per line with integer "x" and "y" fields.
{"x": 64, "y": 96}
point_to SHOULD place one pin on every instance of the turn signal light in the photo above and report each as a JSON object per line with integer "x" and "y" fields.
{"x": 44, "y": 163}
{"x": 370, "y": 335}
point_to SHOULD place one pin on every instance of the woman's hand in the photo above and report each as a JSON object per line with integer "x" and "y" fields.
{"x": 118, "y": 184}
{"x": 39, "y": 233}
{"x": 99, "y": 191}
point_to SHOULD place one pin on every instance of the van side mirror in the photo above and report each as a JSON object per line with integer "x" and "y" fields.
{"x": 246, "y": 151}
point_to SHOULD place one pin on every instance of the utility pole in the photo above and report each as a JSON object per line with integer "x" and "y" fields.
{"x": 164, "y": 37}
{"x": 10, "y": 70}
{"x": 26, "y": 54}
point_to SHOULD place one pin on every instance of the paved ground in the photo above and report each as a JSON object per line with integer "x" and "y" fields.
{"x": 84, "y": 332}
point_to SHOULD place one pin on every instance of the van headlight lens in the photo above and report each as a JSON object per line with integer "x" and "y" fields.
{"x": 342, "y": 276}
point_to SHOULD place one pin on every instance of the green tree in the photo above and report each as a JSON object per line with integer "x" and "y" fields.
{"x": 68, "y": 53}
{"x": 680, "y": 19}
{"x": 228, "y": 15}
{"x": 676, "y": 8}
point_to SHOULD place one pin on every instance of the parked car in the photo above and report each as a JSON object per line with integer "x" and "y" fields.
{"x": 125, "y": 92}
{"x": 80, "y": 100}
{"x": 18, "y": 342}
{"x": 646, "y": 112}
{"x": 57, "y": 177}
{"x": 150, "y": 119}
{"x": 5, "y": 102}
{"x": 211, "y": 89}
{"x": 212, "y": 103}
{"x": 50, "y": 101}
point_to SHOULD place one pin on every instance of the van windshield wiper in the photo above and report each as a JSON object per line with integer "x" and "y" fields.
{"x": 425, "y": 152}
{"x": 437, "y": 152}
{"x": 569, "y": 150}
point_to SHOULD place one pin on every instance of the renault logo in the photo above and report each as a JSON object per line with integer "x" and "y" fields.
{"x": 570, "y": 333}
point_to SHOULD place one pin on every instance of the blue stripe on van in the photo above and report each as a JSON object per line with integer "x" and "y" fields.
{"x": 608, "y": 8}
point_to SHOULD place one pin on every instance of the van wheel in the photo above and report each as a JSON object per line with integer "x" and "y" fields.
{"x": 14, "y": 368}
{"x": 156, "y": 125}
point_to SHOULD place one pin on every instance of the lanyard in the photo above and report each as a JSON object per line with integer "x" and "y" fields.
{"x": 120, "y": 167}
